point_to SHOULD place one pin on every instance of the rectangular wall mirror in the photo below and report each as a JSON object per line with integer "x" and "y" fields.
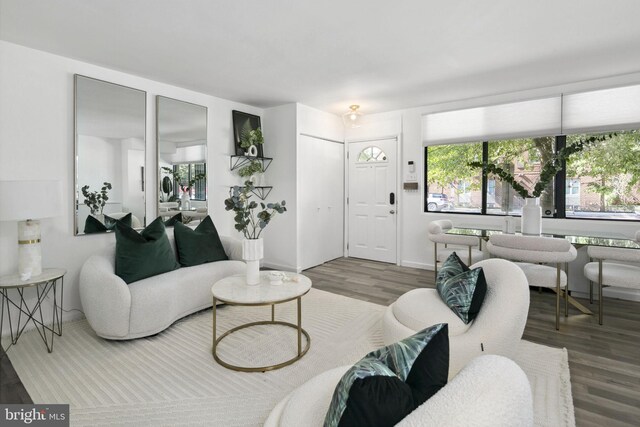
{"x": 182, "y": 160}
{"x": 110, "y": 134}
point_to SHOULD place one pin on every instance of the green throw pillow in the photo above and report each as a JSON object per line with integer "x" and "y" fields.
{"x": 198, "y": 246}
{"x": 145, "y": 254}
{"x": 463, "y": 290}
{"x": 93, "y": 224}
{"x": 172, "y": 221}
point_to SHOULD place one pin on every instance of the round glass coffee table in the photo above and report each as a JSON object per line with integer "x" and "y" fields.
{"x": 233, "y": 290}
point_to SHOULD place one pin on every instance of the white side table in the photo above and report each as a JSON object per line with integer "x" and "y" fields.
{"x": 45, "y": 284}
{"x": 233, "y": 290}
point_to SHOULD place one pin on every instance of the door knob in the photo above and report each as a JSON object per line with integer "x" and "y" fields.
{"x": 392, "y": 211}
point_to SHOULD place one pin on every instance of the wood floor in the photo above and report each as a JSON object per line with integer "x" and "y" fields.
{"x": 604, "y": 360}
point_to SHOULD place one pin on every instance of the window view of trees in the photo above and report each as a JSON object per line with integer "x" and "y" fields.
{"x": 607, "y": 176}
{"x": 452, "y": 185}
{"x": 603, "y": 181}
{"x": 523, "y": 158}
{"x": 187, "y": 174}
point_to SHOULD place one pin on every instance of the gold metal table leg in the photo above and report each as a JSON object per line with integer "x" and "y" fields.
{"x": 215, "y": 342}
{"x": 299, "y": 325}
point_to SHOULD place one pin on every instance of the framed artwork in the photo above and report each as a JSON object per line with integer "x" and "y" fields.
{"x": 245, "y": 121}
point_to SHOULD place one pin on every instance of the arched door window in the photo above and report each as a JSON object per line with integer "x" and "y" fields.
{"x": 372, "y": 154}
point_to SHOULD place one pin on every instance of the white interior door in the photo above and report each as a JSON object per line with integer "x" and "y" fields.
{"x": 321, "y": 198}
{"x": 372, "y": 215}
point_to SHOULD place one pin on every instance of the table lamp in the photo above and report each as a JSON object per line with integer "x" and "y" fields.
{"x": 26, "y": 202}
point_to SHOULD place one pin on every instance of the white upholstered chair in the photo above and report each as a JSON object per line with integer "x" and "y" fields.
{"x": 605, "y": 271}
{"x": 490, "y": 391}
{"x": 533, "y": 252}
{"x": 464, "y": 246}
{"x": 497, "y": 329}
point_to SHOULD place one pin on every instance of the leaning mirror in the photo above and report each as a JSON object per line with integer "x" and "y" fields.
{"x": 110, "y": 125}
{"x": 182, "y": 160}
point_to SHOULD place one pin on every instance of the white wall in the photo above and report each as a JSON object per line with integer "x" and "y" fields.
{"x": 36, "y": 142}
{"x": 280, "y": 142}
{"x": 414, "y": 248}
{"x": 282, "y": 128}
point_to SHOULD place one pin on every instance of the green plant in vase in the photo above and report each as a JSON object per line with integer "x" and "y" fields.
{"x": 249, "y": 221}
{"x": 254, "y": 167}
{"x": 250, "y": 139}
{"x": 96, "y": 200}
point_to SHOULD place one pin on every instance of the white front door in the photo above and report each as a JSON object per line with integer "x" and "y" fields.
{"x": 372, "y": 200}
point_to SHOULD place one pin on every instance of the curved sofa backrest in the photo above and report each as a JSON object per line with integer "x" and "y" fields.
{"x": 507, "y": 294}
{"x": 437, "y": 234}
{"x": 531, "y": 248}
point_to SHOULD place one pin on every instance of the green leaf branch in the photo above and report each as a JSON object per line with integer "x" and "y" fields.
{"x": 548, "y": 171}
{"x": 247, "y": 221}
{"x": 96, "y": 200}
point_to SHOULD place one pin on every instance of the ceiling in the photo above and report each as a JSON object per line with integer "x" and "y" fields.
{"x": 328, "y": 54}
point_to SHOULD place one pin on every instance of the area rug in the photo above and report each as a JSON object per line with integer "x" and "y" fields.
{"x": 172, "y": 379}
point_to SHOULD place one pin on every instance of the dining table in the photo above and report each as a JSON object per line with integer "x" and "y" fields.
{"x": 578, "y": 239}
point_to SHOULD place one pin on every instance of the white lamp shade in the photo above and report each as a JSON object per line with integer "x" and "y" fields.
{"x": 22, "y": 200}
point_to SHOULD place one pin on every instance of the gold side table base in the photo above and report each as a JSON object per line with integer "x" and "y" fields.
{"x": 260, "y": 368}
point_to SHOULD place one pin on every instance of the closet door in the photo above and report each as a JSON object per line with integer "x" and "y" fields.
{"x": 321, "y": 200}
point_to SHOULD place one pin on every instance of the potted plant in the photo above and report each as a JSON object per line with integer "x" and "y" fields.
{"x": 96, "y": 200}
{"x": 250, "y": 171}
{"x": 250, "y": 139}
{"x": 251, "y": 222}
{"x": 531, "y": 212}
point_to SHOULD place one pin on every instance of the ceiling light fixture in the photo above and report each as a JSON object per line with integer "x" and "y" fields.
{"x": 352, "y": 117}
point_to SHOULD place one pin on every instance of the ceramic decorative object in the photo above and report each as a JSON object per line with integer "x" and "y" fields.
{"x": 252, "y": 253}
{"x": 252, "y": 151}
{"x": 532, "y": 217}
{"x": 276, "y": 278}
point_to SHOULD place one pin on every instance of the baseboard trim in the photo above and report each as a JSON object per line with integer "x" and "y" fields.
{"x": 283, "y": 267}
{"x": 618, "y": 293}
{"x": 413, "y": 264}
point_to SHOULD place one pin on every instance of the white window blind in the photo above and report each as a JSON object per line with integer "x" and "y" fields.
{"x": 538, "y": 117}
{"x": 601, "y": 110}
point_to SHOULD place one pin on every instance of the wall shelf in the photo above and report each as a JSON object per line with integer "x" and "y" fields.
{"x": 237, "y": 162}
{"x": 262, "y": 192}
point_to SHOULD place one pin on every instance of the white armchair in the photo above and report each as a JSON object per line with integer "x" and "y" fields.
{"x": 605, "y": 271}
{"x": 497, "y": 329}
{"x": 463, "y": 245}
{"x": 532, "y": 252}
{"x": 491, "y": 390}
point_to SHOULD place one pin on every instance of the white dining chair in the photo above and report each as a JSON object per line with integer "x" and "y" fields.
{"x": 612, "y": 267}
{"x": 464, "y": 246}
{"x": 531, "y": 254}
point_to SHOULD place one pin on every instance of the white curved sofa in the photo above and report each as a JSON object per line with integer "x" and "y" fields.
{"x": 496, "y": 330}
{"x": 491, "y": 391}
{"x": 119, "y": 311}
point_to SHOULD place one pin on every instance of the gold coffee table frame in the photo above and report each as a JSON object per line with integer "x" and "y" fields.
{"x": 298, "y": 327}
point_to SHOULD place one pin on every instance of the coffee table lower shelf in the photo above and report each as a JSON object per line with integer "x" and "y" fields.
{"x": 298, "y": 327}
{"x": 260, "y": 368}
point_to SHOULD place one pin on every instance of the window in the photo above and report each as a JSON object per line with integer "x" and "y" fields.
{"x": 188, "y": 172}
{"x": 453, "y": 186}
{"x": 372, "y": 154}
{"x": 522, "y": 158}
{"x": 605, "y": 179}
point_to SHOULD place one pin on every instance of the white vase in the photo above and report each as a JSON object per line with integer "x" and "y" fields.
{"x": 252, "y": 253}
{"x": 185, "y": 200}
{"x": 532, "y": 217}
